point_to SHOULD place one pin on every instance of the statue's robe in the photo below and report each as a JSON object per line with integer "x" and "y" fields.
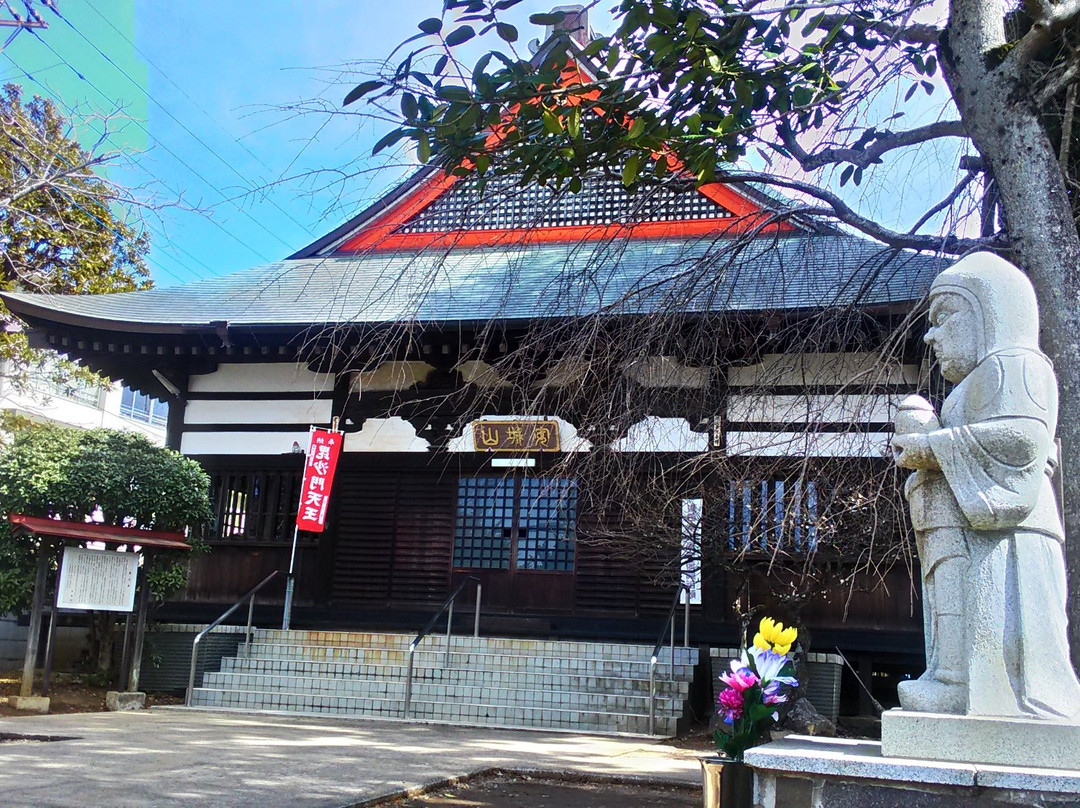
{"x": 997, "y": 454}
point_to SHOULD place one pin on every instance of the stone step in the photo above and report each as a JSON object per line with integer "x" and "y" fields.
{"x": 635, "y": 668}
{"x": 439, "y": 691}
{"x": 557, "y": 648}
{"x": 460, "y": 676}
{"x": 465, "y": 714}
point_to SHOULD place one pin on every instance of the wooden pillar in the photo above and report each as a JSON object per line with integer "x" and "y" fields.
{"x": 36, "y": 609}
{"x": 140, "y": 628}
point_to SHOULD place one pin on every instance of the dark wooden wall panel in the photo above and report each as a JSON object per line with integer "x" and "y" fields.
{"x": 394, "y": 538}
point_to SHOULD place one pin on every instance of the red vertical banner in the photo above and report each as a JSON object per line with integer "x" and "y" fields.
{"x": 322, "y": 458}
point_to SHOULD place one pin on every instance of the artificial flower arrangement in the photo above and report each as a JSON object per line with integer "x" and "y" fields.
{"x": 753, "y": 687}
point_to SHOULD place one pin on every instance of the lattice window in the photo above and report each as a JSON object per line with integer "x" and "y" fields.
{"x": 254, "y": 506}
{"x": 603, "y": 201}
{"x": 766, "y": 514}
{"x": 530, "y": 520}
{"x": 546, "y": 524}
{"x": 485, "y": 520}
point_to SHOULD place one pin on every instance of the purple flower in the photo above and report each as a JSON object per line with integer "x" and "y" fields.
{"x": 730, "y": 702}
{"x": 769, "y": 664}
{"x": 771, "y": 693}
{"x": 741, "y": 678}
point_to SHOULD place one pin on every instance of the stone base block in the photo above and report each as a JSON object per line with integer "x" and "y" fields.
{"x": 808, "y": 772}
{"x": 30, "y": 704}
{"x": 979, "y": 739}
{"x": 118, "y": 701}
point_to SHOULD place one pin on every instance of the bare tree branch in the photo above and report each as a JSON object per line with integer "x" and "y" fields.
{"x": 838, "y": 209}
{"x": 944, "y": 203}
{"x": 912, "y": 34}
{"x": 870, "y": 154}
{"x": 1059, "y": 81}
{"x": 1052, "y": 19}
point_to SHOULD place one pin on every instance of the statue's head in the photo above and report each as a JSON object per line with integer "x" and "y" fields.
{"x": 980, "y": 305}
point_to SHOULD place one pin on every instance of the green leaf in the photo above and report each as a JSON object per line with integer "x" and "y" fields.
{"x": 409, "y": 108}
{"x": 440, "y": 65}
{"x": 552, "y": 124}
{"x": 636, "y": 129}
{"x": 573, "y": 123}
{"x": 506, "y": 32}
{"x": 845, "y": 175}
{"x": 388, "y": 140}
{"x": 548, "y": 19}
{"x": 423, "y": 149}
{"x": 460, "y": 35}
{"x": 910, "y": 92}
{"x": 360, "y": 90}
{"x": 631, "y": 169}
{"x": 453, "y": 92}
{"x": 612, "y": 58}
{"x": 432, "y": 25}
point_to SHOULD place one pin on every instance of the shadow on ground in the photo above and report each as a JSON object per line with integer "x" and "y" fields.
{"x": 514, "y": 791}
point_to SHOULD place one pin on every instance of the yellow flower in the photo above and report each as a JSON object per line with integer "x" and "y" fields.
{"x": 772, "y": 636}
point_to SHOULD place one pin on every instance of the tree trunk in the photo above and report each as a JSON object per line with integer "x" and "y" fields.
{"x": 1006, "y": 127}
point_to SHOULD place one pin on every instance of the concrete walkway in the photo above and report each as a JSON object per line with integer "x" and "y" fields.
{"x": 179, "y": 757}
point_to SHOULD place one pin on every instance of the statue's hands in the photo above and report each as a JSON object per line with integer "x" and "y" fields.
{"x": 912, "y": 451}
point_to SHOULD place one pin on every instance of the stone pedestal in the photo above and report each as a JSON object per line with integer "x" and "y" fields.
{"x": 118, "y": 701}
{"x": 807, "y": 772}
{"x": 30, "y": 704}
{"x": 980, "y": 739}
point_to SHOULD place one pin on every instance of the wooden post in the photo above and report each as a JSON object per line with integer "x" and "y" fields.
{"x": 50, "y": 643}
{"x": 32, "y": 640}
{"x": 140, "y": 629}
{"x": 125, "y": 655}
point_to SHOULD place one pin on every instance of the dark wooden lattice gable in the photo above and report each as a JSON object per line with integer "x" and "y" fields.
{"x": 441, "y": 210}
{"x": 503, "y": 204}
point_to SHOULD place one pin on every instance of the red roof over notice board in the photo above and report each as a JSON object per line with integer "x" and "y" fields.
{"x": 110, "y": 534}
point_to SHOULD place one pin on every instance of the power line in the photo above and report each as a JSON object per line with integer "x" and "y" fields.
{"x": 117, "y": 233}
{"x": 197, "y": 106}
{"x": 180, "y": 123}
{"x": 174, "y": 155}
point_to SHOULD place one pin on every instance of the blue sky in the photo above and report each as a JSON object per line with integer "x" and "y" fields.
{"x": 204, "y": 92}
{"x": 205, "y": 96}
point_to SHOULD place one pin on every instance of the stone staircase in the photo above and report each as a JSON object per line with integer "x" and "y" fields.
{"x": 484, "y": 681}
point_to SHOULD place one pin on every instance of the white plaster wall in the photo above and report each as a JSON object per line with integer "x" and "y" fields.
{"x": 568, "y": 434}
{"x": 254, "y": 443}
{"x": 261, "y": 377}
{"x": 813, "y": 409}
{"x": 823, "y": 368}
{"x": 667, "y": 371}
{"x": 385, "y": 435}
{"x": 655, "y": 434}
{"x": 808, "y": 444}
{"x": 281, "y": 411}
{"x": 390, "y": 377}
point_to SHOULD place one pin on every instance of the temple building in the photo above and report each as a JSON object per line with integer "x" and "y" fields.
{"x": 510, "y": 367}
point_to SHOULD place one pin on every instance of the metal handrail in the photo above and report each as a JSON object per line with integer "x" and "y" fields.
{"x": 247, "y": 630}
{"x": 669, "y": 624}
{"x": 448, "y": 607}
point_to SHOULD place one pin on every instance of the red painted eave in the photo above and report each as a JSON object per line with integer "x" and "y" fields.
{"x": 109, "y": 534}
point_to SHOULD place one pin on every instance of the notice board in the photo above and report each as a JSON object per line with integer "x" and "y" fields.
{"x": 97, "y": 579}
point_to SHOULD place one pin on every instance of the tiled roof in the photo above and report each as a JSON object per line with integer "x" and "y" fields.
{"x": 551, "y": 280}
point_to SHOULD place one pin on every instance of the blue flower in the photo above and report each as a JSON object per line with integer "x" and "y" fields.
{"x": 769, "y": 664}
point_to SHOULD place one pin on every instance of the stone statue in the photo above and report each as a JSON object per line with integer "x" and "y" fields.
{"x": 987, "y": 526}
